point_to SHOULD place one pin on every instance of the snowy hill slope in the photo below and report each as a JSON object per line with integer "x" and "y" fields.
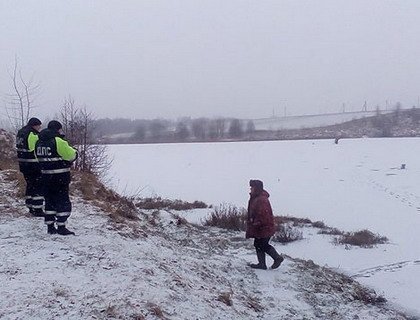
{"x": 309, "y": 121}
{"x": 158, "y": 267}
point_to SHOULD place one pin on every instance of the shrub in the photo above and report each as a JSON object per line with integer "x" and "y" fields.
{"x": 294, "y": 220}
{"x": 227, "y": 216}
{"x": 363, "y": 238}
{"x": 157, "y": 203}
{"x": 319, "y": 224}
{"x": 286, "y": 233}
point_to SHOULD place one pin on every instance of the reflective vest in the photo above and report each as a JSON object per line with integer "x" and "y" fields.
{"x": 54, "y": 153}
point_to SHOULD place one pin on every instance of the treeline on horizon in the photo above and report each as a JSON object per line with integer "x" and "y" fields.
{"x": 399, "y": 123}
{"x": 123, "y": 130}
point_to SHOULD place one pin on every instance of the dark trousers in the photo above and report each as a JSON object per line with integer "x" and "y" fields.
{"x": 57, "y": 200}
{"x": 34, "y": 198}
{"x": 262, "y": 245}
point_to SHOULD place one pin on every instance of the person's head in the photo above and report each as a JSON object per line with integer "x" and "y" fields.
{"x": 55, "y": 126}
{"x": 256, "y": 186}
{"x": 35, "y": 123}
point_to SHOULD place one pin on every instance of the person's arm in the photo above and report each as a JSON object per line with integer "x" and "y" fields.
{"x": 32, "y": 139}
{"x": 64, "y": 150}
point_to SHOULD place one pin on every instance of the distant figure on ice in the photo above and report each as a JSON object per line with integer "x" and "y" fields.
{"x": 260, "y": 225}
{"x": 55, "y": 157}
{"x": 29, "y": 166}
{"x": 336, "y": 140}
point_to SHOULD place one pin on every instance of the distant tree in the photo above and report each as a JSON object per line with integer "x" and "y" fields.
{"x": 250, "y": 127}
{"x": 181, "y": 131}
{"x": 235, "y": 129}
{"x": 212, "y": 130}
{"x": 157, "y": 127}
{"x": 220, "y": 127}
{"x": 199, "y": 128}
{"x": 140, "y": 133}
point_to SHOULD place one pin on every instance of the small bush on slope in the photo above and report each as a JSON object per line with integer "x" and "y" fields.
{"x": 227, "y": 216}
{"x": 157, "y": 203}
{"x": 363, "y": 238}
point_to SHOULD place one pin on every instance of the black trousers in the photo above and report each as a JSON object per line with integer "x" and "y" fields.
{"x": 262, "y": 245}
{"x": 34, "y": 198}
{"x": 57, "y": 200}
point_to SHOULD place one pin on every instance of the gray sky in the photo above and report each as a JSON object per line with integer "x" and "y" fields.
{"x": 146, "y": 59}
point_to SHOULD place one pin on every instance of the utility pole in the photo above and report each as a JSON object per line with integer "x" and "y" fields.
{"x": 344, "y": 107}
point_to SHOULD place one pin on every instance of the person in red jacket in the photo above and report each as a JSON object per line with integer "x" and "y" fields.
{"x": 260, "y": 225}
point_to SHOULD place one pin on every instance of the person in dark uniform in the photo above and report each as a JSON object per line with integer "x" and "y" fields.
{"x": 55, "y": 157}
{"x": 260, "y": 225}
{"x": 29, "y": 166}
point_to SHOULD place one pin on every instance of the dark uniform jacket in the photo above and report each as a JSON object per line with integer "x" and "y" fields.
{"x": 54, "y": 154}
{"x": 25, "y": 145}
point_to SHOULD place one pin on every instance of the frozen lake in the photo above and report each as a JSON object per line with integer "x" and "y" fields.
{"x": 354, "y": 185}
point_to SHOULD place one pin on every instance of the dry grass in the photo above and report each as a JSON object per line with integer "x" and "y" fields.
{"x": 331, "y": 231}
{"x": 363, "y": 238}
{"x": 8, "y": 158}
{"x": 157, "y": 203}
{"x": 17, "y": 178}
{"x": 226, "y": 298}
{"x": 227, "y": 216}
{"x": 255, "y": 304}
{"x": 286, "y": 233}
{"x": 297, "y": 222}
{"x": 119, "y": 207}
{"x": 155, "y": 310}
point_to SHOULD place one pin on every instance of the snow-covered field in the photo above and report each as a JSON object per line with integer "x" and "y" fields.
{"x": 354, "y": 185}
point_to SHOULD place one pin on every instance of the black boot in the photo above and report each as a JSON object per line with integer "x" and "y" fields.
{"x": 62, "y": 230}
{"x": 261, "y": 261}
{"x": 51, "y": 229}
{"x": 278, "y": 259}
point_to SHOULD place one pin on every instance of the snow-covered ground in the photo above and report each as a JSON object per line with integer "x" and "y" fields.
{"x": 157, "y": 268}
{"x": 354, "y": 185}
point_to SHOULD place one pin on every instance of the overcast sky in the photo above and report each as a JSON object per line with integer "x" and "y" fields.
{"x": 147, "y": 59}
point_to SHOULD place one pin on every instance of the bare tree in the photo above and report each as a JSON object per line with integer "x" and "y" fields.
{"x": 181, "y": 131}
{"x": 250, "y": 127}
{"x": 235, "y": 129}
{"x": 78, "y": 124}
{"x": 199, "y": 128}
{"x": 20, "y": 103}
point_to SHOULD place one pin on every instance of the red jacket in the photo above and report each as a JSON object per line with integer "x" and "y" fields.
{"x": 260, "y": 222}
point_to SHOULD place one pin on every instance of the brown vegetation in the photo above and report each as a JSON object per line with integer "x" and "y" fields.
{"x": 90, "y": 188}
{"x": 227, "y": 216}
{"x": 363, "y": 238}
{"x": 157, "y": 203}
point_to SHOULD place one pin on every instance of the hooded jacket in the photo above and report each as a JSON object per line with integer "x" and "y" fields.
{"x": 54, "y": 153}
{"x": 260, "y": 221}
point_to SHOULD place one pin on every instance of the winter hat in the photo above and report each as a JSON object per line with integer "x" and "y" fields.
{"x": 34, "y": 122}
{"x": 54, "y": 125}
{"x": 257, "y": 184}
